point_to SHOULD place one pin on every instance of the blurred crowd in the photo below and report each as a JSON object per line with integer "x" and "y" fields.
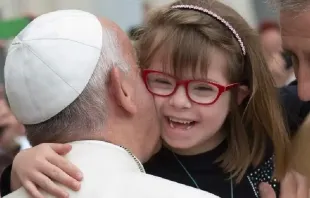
{"x": 10, "y": 132}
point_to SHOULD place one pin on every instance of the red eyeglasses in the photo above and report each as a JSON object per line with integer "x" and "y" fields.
{"x": 198, "y": 91}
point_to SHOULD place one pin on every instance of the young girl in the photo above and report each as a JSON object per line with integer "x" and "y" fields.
{"x": 223, "y": 131}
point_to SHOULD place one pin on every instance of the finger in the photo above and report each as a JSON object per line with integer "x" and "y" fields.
{"x": 288, "y": 186}
{"x": 61, "y": 149}
{"x": 66, "y": 166}
{"x": 60, "y": 176}
{"x": 302, "y": 185}
{"x": 266, "y": 191}
{"x": 32, "y": 189}
{"x": 49, "y": 186}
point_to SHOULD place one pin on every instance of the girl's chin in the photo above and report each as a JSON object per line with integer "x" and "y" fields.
{"x": 177, "y": 145}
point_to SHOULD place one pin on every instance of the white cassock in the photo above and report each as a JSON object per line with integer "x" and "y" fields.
{"x": 112, "y": 172}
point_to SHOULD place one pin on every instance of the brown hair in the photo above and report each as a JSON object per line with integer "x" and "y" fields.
{"x": 301, "y": 149}
{"x": 185, "y": 38}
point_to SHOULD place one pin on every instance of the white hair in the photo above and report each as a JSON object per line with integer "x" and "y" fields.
{"x": 87, "y": 114}
{"x": 293, "y": 5}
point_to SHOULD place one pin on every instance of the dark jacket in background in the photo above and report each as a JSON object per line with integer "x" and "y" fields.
{"x": 295, "y": 110}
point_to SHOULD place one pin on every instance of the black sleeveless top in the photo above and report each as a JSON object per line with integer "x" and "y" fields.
{"x": 208, "y": 175}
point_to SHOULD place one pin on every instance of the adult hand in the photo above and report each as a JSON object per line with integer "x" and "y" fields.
{"x": 294, "y": 185}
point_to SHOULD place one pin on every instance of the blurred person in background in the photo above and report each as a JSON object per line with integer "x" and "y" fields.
{"x": 12, "y": 133}
{"x": 10, "y": 130}
{"x": 279, "y": 65}
{"x": 295, "y": 31}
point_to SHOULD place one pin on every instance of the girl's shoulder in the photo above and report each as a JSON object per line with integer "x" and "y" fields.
{"x": 262, "y": 173}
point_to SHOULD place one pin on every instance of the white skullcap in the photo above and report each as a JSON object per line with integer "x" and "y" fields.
{"x": 50, "y": 63}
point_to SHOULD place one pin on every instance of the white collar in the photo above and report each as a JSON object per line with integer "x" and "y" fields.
{"x": 291, "y": 78}
{"x": 101, "y": 154}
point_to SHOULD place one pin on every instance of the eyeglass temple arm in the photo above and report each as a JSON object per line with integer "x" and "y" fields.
{"x": 230, "y": 86}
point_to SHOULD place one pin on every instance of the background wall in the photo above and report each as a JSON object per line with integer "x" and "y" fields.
{"x": 246, "y": 8}
{"x": 264, "y": 11}
{"x": 126, "y": 13}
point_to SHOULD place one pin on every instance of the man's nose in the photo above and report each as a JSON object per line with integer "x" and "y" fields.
{"x": 179, "y": 99}
{"x": 303, "y": 77}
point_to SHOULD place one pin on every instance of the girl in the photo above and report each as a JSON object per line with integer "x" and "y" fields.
{"x": 223, "y": 131}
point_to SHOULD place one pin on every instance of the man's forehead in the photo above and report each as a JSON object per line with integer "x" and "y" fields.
{"x": 106, "y": 23}
{"x": 120, "y": 34}
{"x": 295, "y": 24}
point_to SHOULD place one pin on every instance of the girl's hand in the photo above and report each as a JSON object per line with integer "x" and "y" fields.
{"x": 42, "y": 166}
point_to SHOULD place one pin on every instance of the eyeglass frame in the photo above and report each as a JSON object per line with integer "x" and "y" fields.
{"x": 185, "y": 83}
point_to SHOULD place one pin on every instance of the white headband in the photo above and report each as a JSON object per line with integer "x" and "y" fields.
{"x": 220, "y": 19}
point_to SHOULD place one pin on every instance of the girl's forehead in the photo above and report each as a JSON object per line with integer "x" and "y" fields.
{"x": 186, "y": 72}
{"x": 213, "y": 74}
{"x": 202, "y": 67}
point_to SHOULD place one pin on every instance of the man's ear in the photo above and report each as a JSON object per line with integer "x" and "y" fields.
{"x": 243, "y": 92}
{"x": 122, "y": 91}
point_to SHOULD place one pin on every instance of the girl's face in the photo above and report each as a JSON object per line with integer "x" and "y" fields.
{"x": 188, "y": 127}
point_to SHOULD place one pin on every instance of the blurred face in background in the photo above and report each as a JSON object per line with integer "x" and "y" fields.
{"x": 271, "y": 42}
{"x": 295, "y": 30}
{"x": 10, "y": 128}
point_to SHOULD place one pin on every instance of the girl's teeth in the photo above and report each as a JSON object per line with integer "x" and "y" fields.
{"x": 179, "y": 121}
{"x": 173, "y": 123}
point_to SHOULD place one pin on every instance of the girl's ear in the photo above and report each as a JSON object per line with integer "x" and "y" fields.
{"x": 243, "y": 92}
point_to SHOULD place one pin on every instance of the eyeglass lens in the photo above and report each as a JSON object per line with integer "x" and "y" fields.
{"x": 198, "y": 91}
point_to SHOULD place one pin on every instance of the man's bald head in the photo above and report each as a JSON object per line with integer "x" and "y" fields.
{"x": 295, "y": 31}
{"x": 89, "y": 111}
{"x": 122, "y": 39}
{"x": 83, "y": 82}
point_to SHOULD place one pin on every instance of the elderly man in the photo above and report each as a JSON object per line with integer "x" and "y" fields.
{"x": 68, "y": 79}
{"x": 295, "y": 29}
